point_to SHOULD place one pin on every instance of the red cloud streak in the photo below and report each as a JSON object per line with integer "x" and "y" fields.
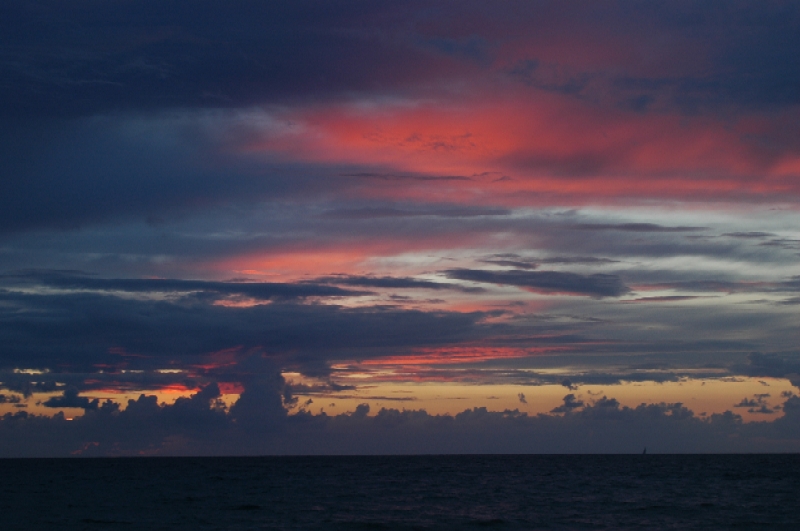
{"x": 518, "y": 147}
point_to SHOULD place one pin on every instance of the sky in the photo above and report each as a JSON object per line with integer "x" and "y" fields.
{"x": 356, "y": 227}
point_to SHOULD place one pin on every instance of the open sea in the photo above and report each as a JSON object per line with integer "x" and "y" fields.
{"x": 410, "y": 492}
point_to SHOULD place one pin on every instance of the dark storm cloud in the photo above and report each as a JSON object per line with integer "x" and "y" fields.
{"x": 597, "y": 285}
{"x": 66, "y": 174}
{"x": 759, "y": 364}
{"x": 82, "y": 58}
{"x": 258, "y": 290}
{"x": 104, "y": 101}
{"x": 70, "y": 398}
{"x": 755, "y": 69}
{"x": 68, "y": 59}
{"x": 745, "y": 49}
{"x": 82, "y": 329}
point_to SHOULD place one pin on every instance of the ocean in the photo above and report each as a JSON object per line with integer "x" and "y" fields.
{"x": 403, "y": 492}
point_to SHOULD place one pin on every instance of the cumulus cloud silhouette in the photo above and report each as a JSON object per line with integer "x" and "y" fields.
{"x": 257, "y": 424}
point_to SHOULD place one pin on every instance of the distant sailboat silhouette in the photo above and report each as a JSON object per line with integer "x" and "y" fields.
{"x": 644, "y": 452}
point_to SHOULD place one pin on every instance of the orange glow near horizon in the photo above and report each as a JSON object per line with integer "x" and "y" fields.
{"x": 704, "y": 397}
{"x": 449, "y": 396}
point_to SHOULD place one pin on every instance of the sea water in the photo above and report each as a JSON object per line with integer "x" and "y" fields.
{"x": 403, "y": 492}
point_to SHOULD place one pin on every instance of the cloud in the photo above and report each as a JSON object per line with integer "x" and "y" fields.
{"x": 759, "y": 364}
{"x": 191, "y": 60}
{"x": 597, "y": 285}
{"x": 70, "y": 398}
{"x": 748, "y": 235}
{"x": 151, "y": 120}
{"x": 570, "y": 403}
{"x": 569, "y": 385}
{"x": 517, "y": 262}
{"x": 393, "y": 283}
{"x": 576, "y": 260}
{"x": 258, "y": 425}
{"x": 665, "y": 298}
{"x": 10, "y": 399}
{"x": 258, "y": 290}
{"x": 90, "y": 170}
{"x": 784, "y": 286}
{"x": 444, "y": 211}
{"x": 403, "y": 177}
{"x": 85, "y": 329}
{"x": 634, "y": 227}
{"x": 757, "y": 404}
{"x": 389, "y": 143}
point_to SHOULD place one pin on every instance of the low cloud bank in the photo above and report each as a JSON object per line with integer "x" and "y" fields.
{"x": 257, "y": 424}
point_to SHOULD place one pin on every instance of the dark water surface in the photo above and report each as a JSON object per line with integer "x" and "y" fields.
{"x": 421, "y": 492}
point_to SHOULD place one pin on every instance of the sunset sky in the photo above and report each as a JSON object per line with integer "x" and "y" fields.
{"x": 372, "y": 227}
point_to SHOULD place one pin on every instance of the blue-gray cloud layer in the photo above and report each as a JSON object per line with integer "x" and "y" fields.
{"x": 68, "y": 59}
